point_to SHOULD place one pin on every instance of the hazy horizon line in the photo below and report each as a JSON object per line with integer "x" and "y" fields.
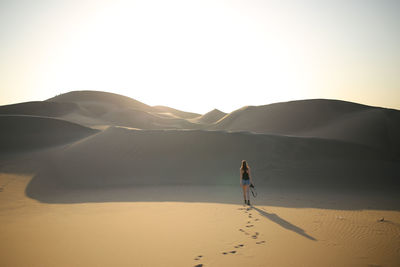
{"x": 206, "y": 111}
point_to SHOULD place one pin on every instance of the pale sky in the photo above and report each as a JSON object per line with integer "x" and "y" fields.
{"x": 200, "y": 55}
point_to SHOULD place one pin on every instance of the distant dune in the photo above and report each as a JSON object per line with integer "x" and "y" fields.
{"x": 330, "y": 119}
{"x": 91, "y": 99}
{"x": 174, "y": 112}
{"x": 101, "y": 108}
{"x": 95, "y": 108}
{"x": 145, "y": 120}
{"x": 288, "y": 117}
{"x": 40, "y": 108}
{"x": 24, "y": 133}
{"x": 210, "y": 117}
{"x": 321, "y": 118}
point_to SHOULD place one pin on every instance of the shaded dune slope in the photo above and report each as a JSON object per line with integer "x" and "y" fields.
{"x": 120, "y": 157}
{"x": 117, "y": 110}
{"x": 100, "y": 98}
{"x": 69, "y": 111}
{"x": 288, "y": 117}
{"x": 210, "y": 117}
{"x": 328, "y": 119}
{"x": 39, "y": 108}
{"x": 100, "y": 103}
{"x": 145, "y": 120}
{"x": 379, "y": 128}
{"x": 174, "y": 112}
{"x": 331, "y": 119}
{"x": 23, "y": 133}
{"x": 95, "y": 108}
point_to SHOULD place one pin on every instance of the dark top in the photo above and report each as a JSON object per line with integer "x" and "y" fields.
{"x": 245, "y": 175}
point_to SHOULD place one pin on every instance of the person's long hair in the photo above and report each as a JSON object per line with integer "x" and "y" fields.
{"x": 245, "y": 166}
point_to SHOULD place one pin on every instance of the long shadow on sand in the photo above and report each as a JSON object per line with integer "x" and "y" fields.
{"x": 283, "y": 223}
{"x": 44, "y": 188}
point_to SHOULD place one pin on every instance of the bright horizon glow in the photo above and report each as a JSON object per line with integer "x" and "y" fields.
{"x": 200, "y": 55}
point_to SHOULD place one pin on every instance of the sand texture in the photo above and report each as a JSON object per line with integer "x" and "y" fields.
{"x": 182, "y": 233}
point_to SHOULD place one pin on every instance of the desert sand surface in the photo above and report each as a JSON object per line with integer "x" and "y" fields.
{"x": 98, "y": 179}
{"x": 184, "y": 233}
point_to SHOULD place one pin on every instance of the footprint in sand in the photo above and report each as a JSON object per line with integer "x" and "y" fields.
{"x": 260, "y": 242}
{"x": 198, "y": 257}
{"x": 241, "y": 230}
{"x": 239, "y": 246}
{"x": 232, "y": 252}
{"x": 250, "y": 225}
{"x": 199, "y": 265}
{"x": 255, "y": 235}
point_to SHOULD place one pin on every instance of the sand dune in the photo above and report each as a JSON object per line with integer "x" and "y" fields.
{"x": 119, "y": 157}
{"x": 39, "y": 108}
{"x": 95, "y": 108}
{"x": 174, "y": 112}
{"x": 180, "y": 156}
{"x": 288, "y": 117}
{"x": 375, "y": 127}
{"x": 210, "y": 117}
{"x": 93, "y": 99}
{"x": 145, "y": 120}
{"x": 332, "y": 119}
{"x": 328, "y": 119}
{"x": 118, "y": 110}
{"x": 101, "y": 108}
{"x": 19, "y": 133}
{"x": 69, "y": 111}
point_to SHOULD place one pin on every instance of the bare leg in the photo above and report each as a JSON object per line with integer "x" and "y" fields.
{"x": 244, "y": 192}
{"x": 248, "y": 192}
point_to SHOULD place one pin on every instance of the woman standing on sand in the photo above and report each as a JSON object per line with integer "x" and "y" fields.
{"x": 245, "y": 181}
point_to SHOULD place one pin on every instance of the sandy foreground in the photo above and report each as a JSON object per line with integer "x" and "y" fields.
{"x": 189, "y": 233}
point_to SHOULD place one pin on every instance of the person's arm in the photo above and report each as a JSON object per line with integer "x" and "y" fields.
{"x": 240, "y": 174}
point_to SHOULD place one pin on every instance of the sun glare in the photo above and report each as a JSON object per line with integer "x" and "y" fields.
{"x": 164, "y": 53}
{"x": 197, "y": 55}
